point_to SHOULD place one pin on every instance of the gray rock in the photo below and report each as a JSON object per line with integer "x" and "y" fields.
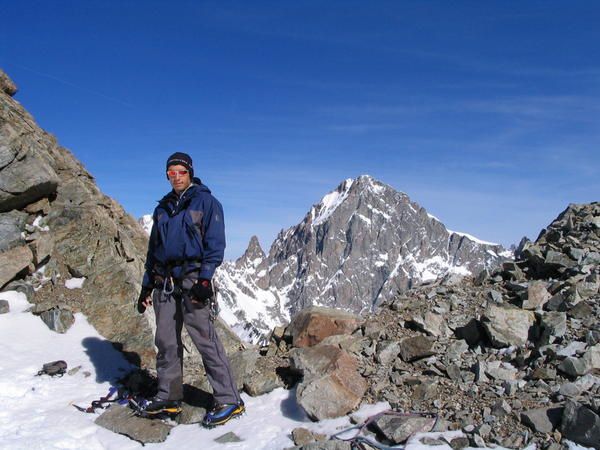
{"x": 398, "y": 429}
{"x": 507, "y": 326}
{"x": 431, "y": 323}
{"x": 569, "y": 390}
{"x": 4, "y": 307}
{"x": 558, "y": 260}
{"x": 542, "y": 420}
{"x": 553, "y": 325}
{"x": 581, "y": 425}
{"x": 228, "y": 438}
{"x": 22, "y": 287}
{"x": 120, "y": 419}
{"x": 501, "y": 408}
{"x": 501, "y": 371}
{"x": 416, "y": 347}
{"x": 190, "y": 414}
{"x": 572, "y": 366}
{"x": 456, "y": 349}
{"x": 387, "y": 352}
{"x": 57, "y": 319}
{"x": 12, "y": 225}
{"x": 572, "y": 348}
{"x": 243, "y": 364}
{"x": 261, "y": 383}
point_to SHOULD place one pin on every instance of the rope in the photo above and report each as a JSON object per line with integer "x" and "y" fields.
{"x": 357, "y": 440}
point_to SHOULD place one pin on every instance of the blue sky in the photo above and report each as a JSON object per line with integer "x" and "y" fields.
{"x": 485, "y": 113}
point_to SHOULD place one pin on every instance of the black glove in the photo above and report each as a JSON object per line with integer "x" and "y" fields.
{"x": 202, "y": 291}
{"x": 146, "y": 292}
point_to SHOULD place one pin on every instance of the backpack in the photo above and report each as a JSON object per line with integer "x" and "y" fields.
{"x": 54, "y": 369}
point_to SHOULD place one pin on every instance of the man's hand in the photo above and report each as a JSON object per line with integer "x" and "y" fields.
{"x": 201, "y": 292}
{"x": 145, "y": 300}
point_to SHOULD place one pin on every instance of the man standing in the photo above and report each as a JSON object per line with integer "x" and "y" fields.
{"x": 187, "y": 243}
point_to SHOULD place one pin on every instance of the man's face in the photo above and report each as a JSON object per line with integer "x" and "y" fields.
{"x": 179, "y": 177}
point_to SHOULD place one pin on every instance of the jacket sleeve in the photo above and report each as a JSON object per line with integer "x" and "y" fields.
{"x": 150, "y": 259}
{"x": 213, "y": 239}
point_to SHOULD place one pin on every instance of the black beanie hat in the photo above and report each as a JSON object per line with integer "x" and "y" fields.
{"x": 183, "y": 159}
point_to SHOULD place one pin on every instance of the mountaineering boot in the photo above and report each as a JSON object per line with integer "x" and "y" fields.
{"x": 158, "y": 406}
{"x": 221, "y": 414}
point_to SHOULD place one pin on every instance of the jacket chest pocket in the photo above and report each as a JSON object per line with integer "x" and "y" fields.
{"x": 193, "y": 224}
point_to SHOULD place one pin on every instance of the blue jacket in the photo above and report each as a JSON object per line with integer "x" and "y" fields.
{"x": 187, "y": 237}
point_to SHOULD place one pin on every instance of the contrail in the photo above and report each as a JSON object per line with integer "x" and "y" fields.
{"x": 67, "y": 83}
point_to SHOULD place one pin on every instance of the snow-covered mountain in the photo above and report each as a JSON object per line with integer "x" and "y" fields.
{"x": 361, "y": 244}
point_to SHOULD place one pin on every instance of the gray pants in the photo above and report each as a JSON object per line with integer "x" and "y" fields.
{"x": 172, "y": 312}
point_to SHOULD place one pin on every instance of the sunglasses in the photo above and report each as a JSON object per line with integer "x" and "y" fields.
{"x": 174, "y": 173}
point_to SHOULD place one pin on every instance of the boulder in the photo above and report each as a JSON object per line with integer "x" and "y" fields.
{"x": 553, "y": 325}
{"x": 397, "y": 429}
{"x": 310, "y": 326}
{"x": 542, "y": 420}
{"x": 119, "y": 419}
{"x": 331, "y": 386}
{"x": 416, "y": 347}
{"x": 14, "y": 261}
{"x": 243, "y": 364}
{"x": 581, "y": 425}
{"x": 4, "y": 307}
{"x": 262, "y": 382}
{"x": 507, "y": 326}
{"x": 58, "y": 318}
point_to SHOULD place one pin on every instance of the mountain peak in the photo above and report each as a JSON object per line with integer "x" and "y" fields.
{"x": 253, "y": 255}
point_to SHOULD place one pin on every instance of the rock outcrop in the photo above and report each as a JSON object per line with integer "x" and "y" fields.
{"x": 55, "y": 224}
